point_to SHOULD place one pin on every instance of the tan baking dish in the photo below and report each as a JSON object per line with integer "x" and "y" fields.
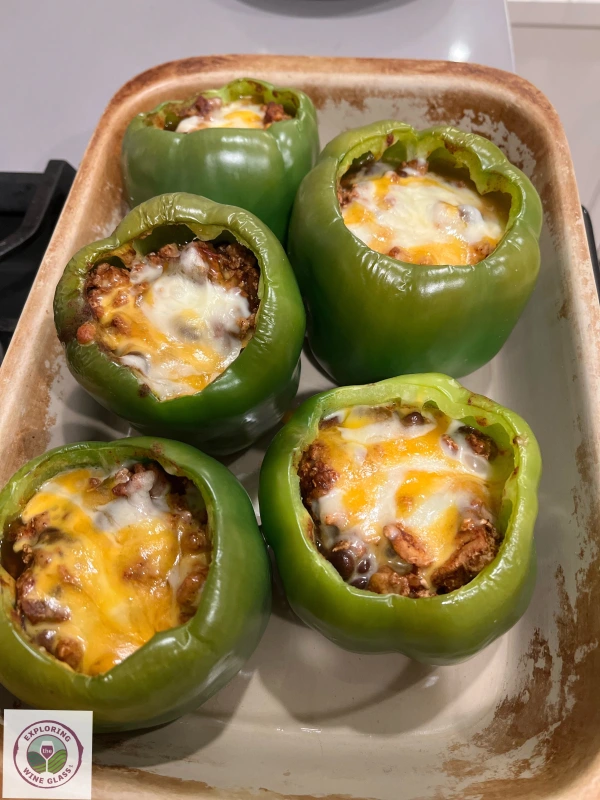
{"x": 304, "y": 718}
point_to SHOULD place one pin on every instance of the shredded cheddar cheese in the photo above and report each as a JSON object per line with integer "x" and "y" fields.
{"x": 178, "y": 334}
{"x": 422, "y": 479}
{"x": 110, "y": 567}
{"x": 422, "y": 218}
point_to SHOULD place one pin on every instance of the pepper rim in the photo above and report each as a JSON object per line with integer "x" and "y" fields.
{"x": 145, "y": 117}
{"x": 156, "y": 449}
{"x": 377, "y": 133}
{"x": 247, "y": 229}
{"x": 527, "y": 462}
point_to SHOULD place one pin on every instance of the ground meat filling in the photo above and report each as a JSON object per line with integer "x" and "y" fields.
{"x": 102, "y": 562}
{"x": 212, "y": 112}
{"x": 177, "y": 317}
{"x": 403, "y": 500}
{"x": 316, "y": 477}
{"x": 415, "y": 214}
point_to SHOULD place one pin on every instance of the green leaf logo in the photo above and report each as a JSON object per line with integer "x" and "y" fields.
{"x": 36, "y": 761}
{"x": 57, "y": 762}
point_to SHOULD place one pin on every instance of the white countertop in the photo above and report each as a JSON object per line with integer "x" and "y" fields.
{"x": 61, "y": 61}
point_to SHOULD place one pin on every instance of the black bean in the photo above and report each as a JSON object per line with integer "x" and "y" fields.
{"x": 343, "y": 561}
{"x": 360, "y": 583}
{"x": 44, "y": 639}
{"x": 364, "y": 565}
{"x": 414, "y": 418}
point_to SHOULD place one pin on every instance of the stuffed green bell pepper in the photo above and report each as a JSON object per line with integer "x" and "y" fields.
{"x": 187, "y": 322}
{"x": 247, "y": 144}
{"x": 414, "y": 251}
{"x": 134, "y": 581}
{"x": 401, "y": 515}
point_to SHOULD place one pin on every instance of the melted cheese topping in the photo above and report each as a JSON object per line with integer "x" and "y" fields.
{"x": 182, "y": 332}
{"x": 389, "y": 473}
{"x": 90, "y": 569}
{"x": 243, "y": 113}
{"x": 430, "y": 219}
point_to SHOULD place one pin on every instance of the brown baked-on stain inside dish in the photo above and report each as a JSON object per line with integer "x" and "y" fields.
{"x": 102, "y": 561}
{"x": 404, "y": 500}
{"x": 177, "y": 317}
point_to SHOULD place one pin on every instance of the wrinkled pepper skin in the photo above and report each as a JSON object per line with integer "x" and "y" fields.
{"x": 370, "y": 316}
{"x": 259, "y": 170}
{"x": 444, "y": 629}
{"x": 253, "y": 393}
{"x": 177, "y": 669}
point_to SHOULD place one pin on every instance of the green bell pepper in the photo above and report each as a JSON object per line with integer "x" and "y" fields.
{"x": 443, "y": 629}
{"x": 254, "y": 392}
{"x": 371, "y": 316}
{"x": 259, "y": 170}
{"x": 177, "y": 669}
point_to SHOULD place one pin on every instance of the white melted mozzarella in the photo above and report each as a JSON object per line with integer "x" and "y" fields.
{"x": 120, "y": 512}
{"x": 387, "y": 429}
{"x": 332, "y": 509}
{"x": 237, "y": 114}
{"x": 202, "y": 316}
{"x": 435, "y": 508}
{"x": 143, "y": 271}
{"x": 381, "y": 510}
{"x": 191, "y": 261}
{"x": 193, "y": 324}
{"x": 124, "y": 511}
{"x": 189, "y": 124}
{"x": 384, "y": 430}
{"x": 184, "y": 309}
{"x": 361, "y": 504}
{"x": 419, "y": 212}
{"x": 471, "y": 462}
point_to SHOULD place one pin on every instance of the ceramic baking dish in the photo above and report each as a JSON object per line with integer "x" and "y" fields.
{"x": 305, "y": 718}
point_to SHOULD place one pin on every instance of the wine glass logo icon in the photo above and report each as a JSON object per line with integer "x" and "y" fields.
{"x": 46, "y": 754}
{"x": 47, "y": 750}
